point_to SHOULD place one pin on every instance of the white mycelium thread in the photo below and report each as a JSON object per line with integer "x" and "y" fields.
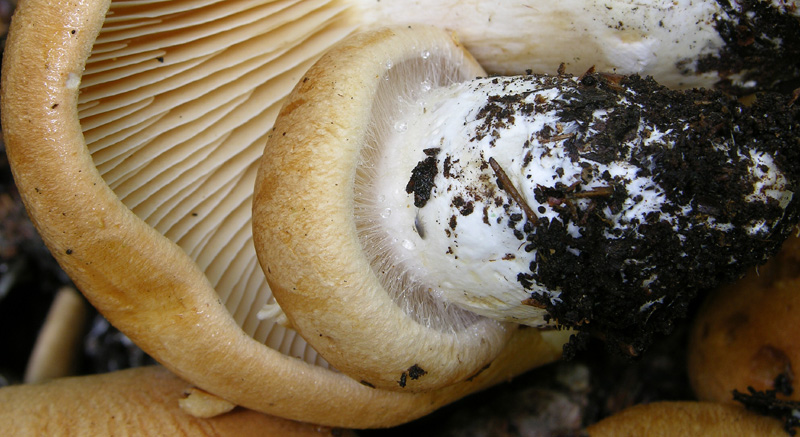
{"x": 787, "y": 6}
{"x": 770, "y": 183}
{"x": 466, "y": 244}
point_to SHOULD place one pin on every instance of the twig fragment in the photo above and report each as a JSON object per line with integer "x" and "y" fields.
{"x": 508, "y": 187}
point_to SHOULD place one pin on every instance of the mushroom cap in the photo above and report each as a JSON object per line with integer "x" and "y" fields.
{"x": 141, "y": 401}
{"x": 681, "y": 418}
{"x": 160, "y": 281}
{"x": 745, "y": 334}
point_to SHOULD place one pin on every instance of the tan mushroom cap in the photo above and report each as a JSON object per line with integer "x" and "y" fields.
{"x": 151, "y": 266}
{"x": 143, "y": 401}
{"x": 686, "y": 418}
{"x": 746, "y": 334}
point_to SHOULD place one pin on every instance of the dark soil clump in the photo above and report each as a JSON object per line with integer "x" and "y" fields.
{"x": 626, "y": 285}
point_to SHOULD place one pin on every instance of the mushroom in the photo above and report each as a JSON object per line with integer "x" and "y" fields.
{"x": 133, "y": 129}
{"x": 676, "y": 418}
{"x": 393, "y": 184}
{"x": 141, "y": 401}
{"x": 54, "y": 353}
{"x": 745, "y": 334}
{"x": 340, "y": 308}
{"x": 163, "y": 249}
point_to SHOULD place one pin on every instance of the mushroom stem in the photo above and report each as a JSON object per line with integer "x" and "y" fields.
{"x": 56, "y": 350}
{"x": 499, "y": 192}
{"x": 680, "y": 43}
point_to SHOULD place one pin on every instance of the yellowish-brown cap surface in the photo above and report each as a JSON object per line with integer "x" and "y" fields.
{"x": 746, "y": 334}
{"x": 143, "y": 401}
{"x": 686, "y": 418}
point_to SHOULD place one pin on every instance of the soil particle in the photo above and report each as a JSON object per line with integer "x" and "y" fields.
{"x": 422, "y": 178}
{"x": 762, "y": 48}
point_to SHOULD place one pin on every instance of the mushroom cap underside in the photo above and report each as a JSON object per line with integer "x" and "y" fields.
{"x": 144, "y": 283}
{"x": 43, "y": 86}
